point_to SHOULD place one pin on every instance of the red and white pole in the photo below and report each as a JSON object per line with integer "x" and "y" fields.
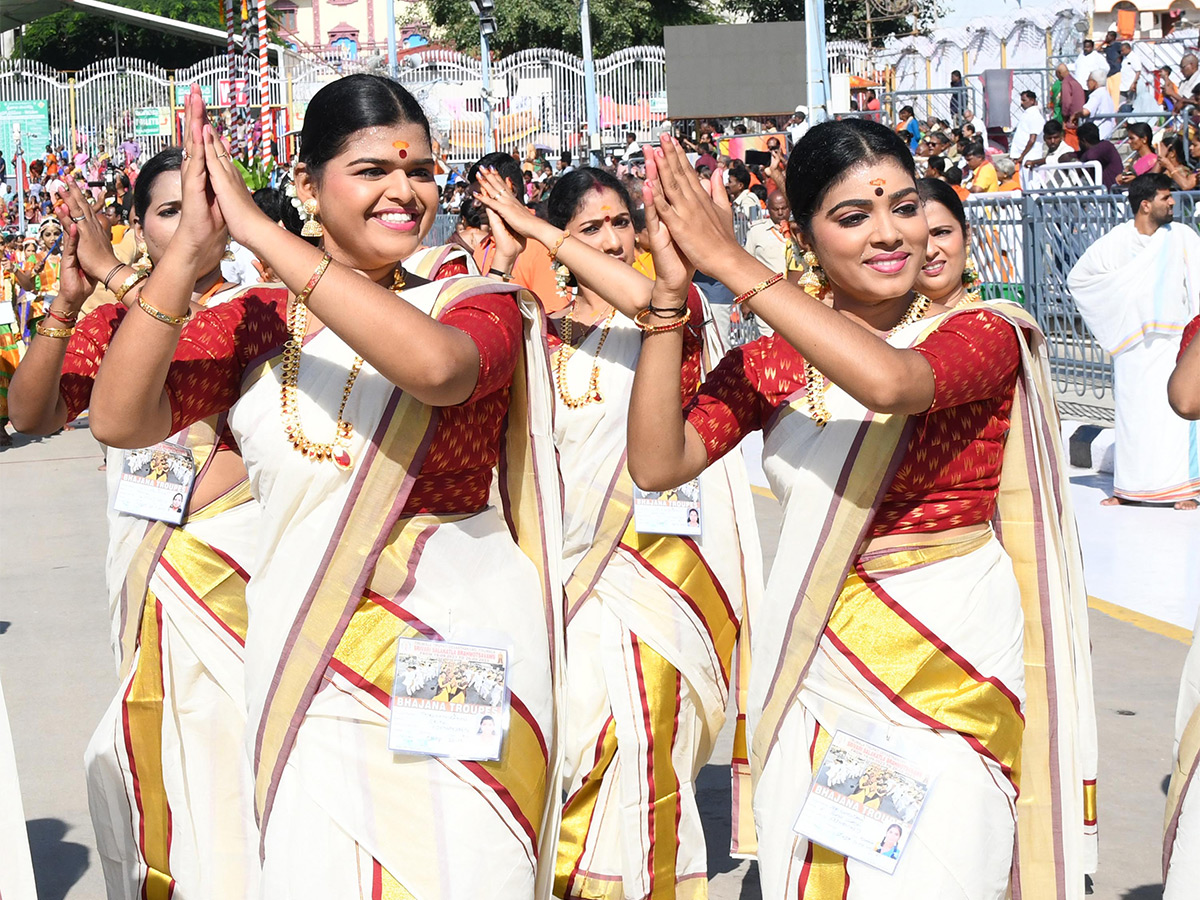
{"x": 264, "y": 85}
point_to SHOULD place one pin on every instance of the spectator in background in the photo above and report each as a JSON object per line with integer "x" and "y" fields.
{"x": 1093, "y": 148}
{"x": 1053, "y": 146}
{"x": 631, "y": 145}
{"x": 1189, "y": 72}
{"x": 1112, "y": 53}
{"x": 908, "y": 128}
{"x": 1128, "y": 72}
{"x": 1099, "y": 103}
{"x": 737, "y": 186}
{"x": 954, "y": 177}
{"x": 1171, "y": 164}
{"x": 936, "y": 168}
{"x": 984, "y": 179}
{"x": 1088, "y": 61}
{"x": 1027, "y": 136}
{"x": 564, "y": 163}
{"x": 1072, "y": 98}
{"x": 1006, "y": 172}
{"x": 956, "y": 99}
{"x": 873, "y": 106}
{"x": 766, "y": 239}
{"x": 1144, "y": 159}
{"x": 797, "y": 125}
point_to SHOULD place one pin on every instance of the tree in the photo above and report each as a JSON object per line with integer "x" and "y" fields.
{"x": 526, "y": 24}
{"x": 72, "y": 40}
{"x": 846, "y": 20}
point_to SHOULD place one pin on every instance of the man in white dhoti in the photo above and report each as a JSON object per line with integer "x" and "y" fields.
{"x": 1136, "y": 288}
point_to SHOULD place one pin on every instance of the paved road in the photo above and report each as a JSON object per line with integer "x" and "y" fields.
{"x": 58, "y": 675}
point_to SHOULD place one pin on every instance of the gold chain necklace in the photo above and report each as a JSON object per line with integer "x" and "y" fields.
{"x": 814, "y": 382}
{"x": 336, "y": 450}
{"x": 593, "y": 394}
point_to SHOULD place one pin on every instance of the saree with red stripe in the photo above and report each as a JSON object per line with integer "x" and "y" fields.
{"x": 652, "y": 621}
{"x": 344, "y": 574}
{"x": 969, "y": 652}
{"x": 169, "y": 786}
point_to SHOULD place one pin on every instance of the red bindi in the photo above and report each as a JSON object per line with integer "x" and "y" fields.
{"x": 402, "y": 147}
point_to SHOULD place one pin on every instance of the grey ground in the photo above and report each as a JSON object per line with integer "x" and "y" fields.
{"x": 58, "y": 676}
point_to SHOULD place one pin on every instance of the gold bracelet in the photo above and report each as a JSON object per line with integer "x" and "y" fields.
{"x": 46, "y": 331}
{"x": 558, "y": 245}
{"x": 162, "y": 316}
{"x": 314, "y": 278}
{"x": 126, "y": 286}
{"x": 644, "y": 314}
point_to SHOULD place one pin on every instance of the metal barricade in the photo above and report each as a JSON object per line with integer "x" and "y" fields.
{"x": 1025, "y": 246}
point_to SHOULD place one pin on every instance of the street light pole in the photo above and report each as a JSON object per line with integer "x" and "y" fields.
{"x": 391, "y": 38}
{"x": 486, "y": 10}
{"x": 818, "y": 61}
{"x": 589, "y": 84}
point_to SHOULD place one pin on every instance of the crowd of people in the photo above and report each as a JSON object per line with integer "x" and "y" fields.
{"x": 402, "y": 443}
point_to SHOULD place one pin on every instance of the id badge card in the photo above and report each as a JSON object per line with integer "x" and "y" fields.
{"x": 677, "y": 511}
{"x": 449, "y": 700}
{"x": 156, "y": 482}
{"x": 864, "y": 802}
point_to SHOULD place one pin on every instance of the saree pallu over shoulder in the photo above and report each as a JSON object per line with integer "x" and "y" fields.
{"x": 375, "y": 555}
{"x": 832, "y": 479}
{"x": 428, "y": 261}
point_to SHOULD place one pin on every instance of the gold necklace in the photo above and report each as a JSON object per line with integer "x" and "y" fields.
{"x": 593, "y": 394}
{"x": 336, "y": 450}
{"x": 814, "y": 382}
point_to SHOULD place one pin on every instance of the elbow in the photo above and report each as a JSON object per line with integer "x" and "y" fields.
{"x": 648, "y": 476}
{"x": 1186, "y": 404}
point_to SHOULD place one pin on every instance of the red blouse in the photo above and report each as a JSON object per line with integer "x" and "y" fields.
{"x": 220, "y": 344}
{"x": 950, "y": 473}
{"x": 693, "y": 342}
{"x": 1189, "y": 332}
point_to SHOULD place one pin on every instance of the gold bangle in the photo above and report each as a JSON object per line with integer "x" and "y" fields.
{"x": 644, "y": 314}
{"x": 127, "y": 285}
{"x": 558, "y": 245}
{"x": 314, "y": 278}
{"x": 162, "y": 316}
{"x": 53, "y": 332}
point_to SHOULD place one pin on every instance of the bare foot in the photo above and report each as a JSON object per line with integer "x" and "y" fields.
{"x": 103, "y": 467}
{"x": 1187, "y": 504}
{"x": 1111, "y": 501}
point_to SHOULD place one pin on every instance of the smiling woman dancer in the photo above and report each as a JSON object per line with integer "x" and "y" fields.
{"x": 900, "y": 617}
{"x": 652, "y": 619}
{"x": 168, "y": 786}
{"x": 948, "y": 277}
{"x": 371, "y": 437}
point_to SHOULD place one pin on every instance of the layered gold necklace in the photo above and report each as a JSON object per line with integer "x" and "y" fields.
{"x": 815, "y": 385}
{"x": 593, "y": 394}
{"x": 337, "y": 450}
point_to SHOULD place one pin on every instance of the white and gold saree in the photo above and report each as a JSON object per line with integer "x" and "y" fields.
{"x": 652, "y": 621}
{"x": 971, "y": 653}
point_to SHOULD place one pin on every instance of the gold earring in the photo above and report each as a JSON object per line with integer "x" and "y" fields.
{"x": 813, "y": 281}
{"x": 312, "y": 227}
{"x": 228, "y": 255}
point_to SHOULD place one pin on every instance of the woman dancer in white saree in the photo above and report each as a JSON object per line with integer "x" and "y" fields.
{"x": 902, "y": 617}
{"x": 651, "y": 618}
{"x": 371, "y": 439}
{"x": 169, "y": 787}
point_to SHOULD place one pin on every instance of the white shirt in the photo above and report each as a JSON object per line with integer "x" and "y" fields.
{"x": 1087, "y": 64}
{"x": 797, "y": 131}
{"x": 1129, "y": 73}
{"x": 766, "y": 243}
{"x": 1029, "y": 123}
{"x": 748, "y": 204}
{"x": 1099, "y": 102}
{"x": 1188, "y": 85}
{"x": 1056, "y": 155}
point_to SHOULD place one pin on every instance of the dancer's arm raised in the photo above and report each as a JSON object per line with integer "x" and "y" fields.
{"x": 617, "y": 282}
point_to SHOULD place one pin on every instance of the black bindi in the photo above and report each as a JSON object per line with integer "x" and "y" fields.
{"x": 878, "y": 192}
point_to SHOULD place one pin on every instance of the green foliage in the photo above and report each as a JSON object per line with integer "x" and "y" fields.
{"x": 256, "y": 175}
{"x": 70, "y": 40}
{"x": 554, "y": 24}
{"x": 846, "y": 20}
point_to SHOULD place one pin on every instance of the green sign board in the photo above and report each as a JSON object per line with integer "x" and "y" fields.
{"x": 33, "y": 117}
{"x": 182, "y": 90}
{"x": 152, "y": 121}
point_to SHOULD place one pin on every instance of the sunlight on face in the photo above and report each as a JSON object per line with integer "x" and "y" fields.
{"x": 870, "y": 232}
{"x": 945, "y": 254}
{"x": 602, "y": 221}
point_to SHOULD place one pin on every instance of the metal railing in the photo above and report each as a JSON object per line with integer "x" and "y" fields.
{"x": 1025, "y": 246}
